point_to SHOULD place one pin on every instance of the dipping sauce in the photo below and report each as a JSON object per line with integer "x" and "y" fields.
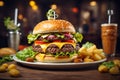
{"x": 109, "y": 38}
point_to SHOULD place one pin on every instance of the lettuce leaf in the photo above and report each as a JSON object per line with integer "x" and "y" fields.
{"x": 32, "y": 37}
{"x": 78, "y": 36}
{"x": 71, "y": 54}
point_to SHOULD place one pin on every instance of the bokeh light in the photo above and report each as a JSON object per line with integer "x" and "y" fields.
{"x": 75, "y": 9}
{"x": 1, "y": 3}
{"x": 35, "y": 7}
{"x": 93, "y": 3}
{"x": 20, "y": 16}
{"x": 32, "y": 3}
{"x": 53, "y": 6}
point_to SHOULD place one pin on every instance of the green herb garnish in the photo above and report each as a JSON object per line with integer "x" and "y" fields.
{"x": 10, "y": 24}
{"x": 4, "y": 59}
{"x": 109, "y": 64}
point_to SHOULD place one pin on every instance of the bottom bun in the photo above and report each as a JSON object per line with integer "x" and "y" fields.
{"x": 52, "y": 59}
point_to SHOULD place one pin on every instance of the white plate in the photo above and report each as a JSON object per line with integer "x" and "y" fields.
{"x": 71, "y": 65}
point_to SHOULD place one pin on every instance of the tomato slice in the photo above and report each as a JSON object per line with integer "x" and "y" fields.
{"x": 40, "y": 42}
{"x": 21, "y": 47}
{"x": 57, "y": 40}
{"x": 71, "y": 41}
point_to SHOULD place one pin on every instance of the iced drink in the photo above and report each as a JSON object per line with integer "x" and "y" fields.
{"x": 109, "y": 38}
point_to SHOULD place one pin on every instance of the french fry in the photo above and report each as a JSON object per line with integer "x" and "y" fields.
{"x": 88, "y": 60}
{"x": 102, "y": 55}
{"x": 82, "y": 49}
{"x": 76, "y": 60}
{"x": 99, "y": 52}
{"x": 91, "y": 49}
{"x": 87, "y": 57}
{"x": 96, "y": 57}
{"x": 90, "y": 54}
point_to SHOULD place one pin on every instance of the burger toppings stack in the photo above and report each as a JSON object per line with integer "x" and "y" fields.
{"x": 55, "y": 40}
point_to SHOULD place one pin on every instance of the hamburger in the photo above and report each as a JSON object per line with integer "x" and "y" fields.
{"x": 6, "y": 54}
{"x": 55, "y": 41}
{"x": 6, "y": 51}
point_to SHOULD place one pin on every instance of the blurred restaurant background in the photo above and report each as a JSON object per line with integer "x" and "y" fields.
{"x": 85, "y": 15}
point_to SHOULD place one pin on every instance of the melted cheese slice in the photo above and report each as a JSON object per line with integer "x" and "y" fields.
{"x": 59, "y": 44}
{"x": 40, "y": 57}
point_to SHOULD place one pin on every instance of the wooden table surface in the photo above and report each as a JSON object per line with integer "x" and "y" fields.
{"x": 43, "y": 74}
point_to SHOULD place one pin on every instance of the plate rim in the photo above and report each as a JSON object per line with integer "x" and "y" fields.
{"x": 57, "y": 64}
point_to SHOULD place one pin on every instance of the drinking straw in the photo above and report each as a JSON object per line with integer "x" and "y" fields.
{"x": 110, "y": 13}
{"x": 16, "y": 14}
{"x": 54, "y": 15}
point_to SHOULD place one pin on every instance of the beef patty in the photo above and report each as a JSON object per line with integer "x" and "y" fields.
{"x": 37, "y": 48}
{"x": 54, "y": 48}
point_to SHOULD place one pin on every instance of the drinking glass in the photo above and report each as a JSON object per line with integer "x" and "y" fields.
{"x": 109, "y": 38}
{"x": 14, "y": 39}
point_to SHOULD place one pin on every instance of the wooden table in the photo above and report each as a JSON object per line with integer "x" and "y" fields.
{"x": 43, "y": 74}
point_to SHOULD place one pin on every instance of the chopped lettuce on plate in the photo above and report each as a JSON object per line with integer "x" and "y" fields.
{"x": 88, "y": 45}
{"x": 25, "y": 53}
